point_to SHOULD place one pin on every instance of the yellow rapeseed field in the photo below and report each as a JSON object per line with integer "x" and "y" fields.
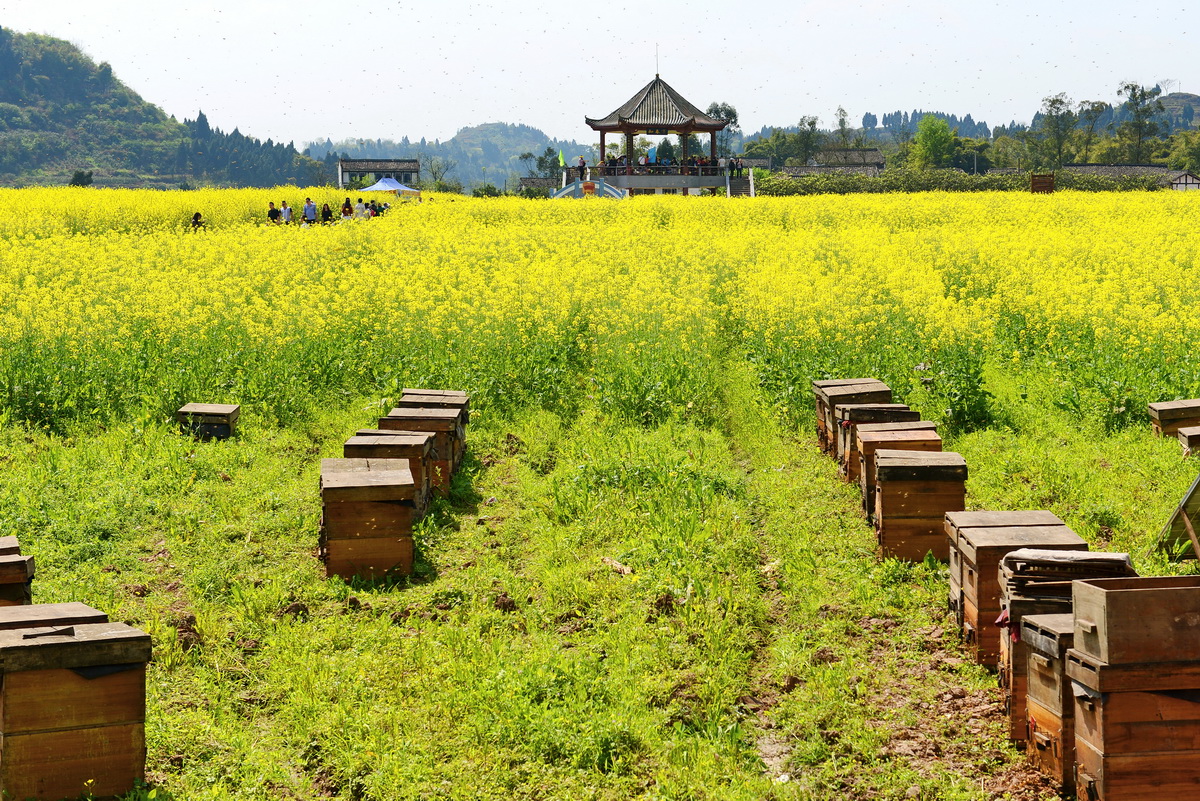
{"x": 108, "y": 302}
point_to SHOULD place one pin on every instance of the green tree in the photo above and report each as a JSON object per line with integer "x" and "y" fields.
{"x": 934, "y": 144}
{"x": 726, "y": 137}
{"x": 81, "y": 178}
{"x": 1057, "y": 123}
{"x": 1090, "y": 113}
{"x": 809, "y": 140}
{"x": 1139, "y": 128}
{"x": 1185, "y": 151}
{"x": 843, "y": 127}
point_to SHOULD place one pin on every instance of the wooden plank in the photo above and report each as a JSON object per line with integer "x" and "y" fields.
{"x": 43, "y": 615}
{"x": 419, "y": 418}
{"x": 16, "y": 569}
{"x": 912, "y": 539}
{"x": 449, "y": 393}
{"x": 42, "y": 700}
{"x": 1169, "y": 776}
{"x": 1175, "y": 410}
{"x": 101, "y": 761}
{"x": 367, "y": 480}
{"x": 1138, "y": 620}
{"x": 355, "y": 519}
{"x": 986, "y": 546}
{"x": 925, "y": 500}
{"x": 905, "y": 465}
{"x": 1050, "y": 634}
{"x": 226, "y": 412}
{"x": 980, "y": 634}
{"x": 76, "y": 646}
{"x": 9, "y": 546}
{"x": 915, "y": 425}
{"x": 368, "y": 557}
{"x": 1103, "y": 677}
{"x": 1139, "y": 722}
{"x": 16, "y": 594}
{"x": 1051, "y": 745}
{"x": 418, "y": 401}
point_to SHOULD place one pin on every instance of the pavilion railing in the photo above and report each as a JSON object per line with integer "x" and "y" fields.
{"x": 604, "y": 170}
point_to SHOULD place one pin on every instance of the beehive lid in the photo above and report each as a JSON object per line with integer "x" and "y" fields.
{"x": 226, "y": 411}
{"x": 1035, "y": 517}
{"x": 873, "y": 391}
{"x": 408, "y": 443}
{"x": 872, "y": 436}
{"x": 410, "y": 400}
{"x": 1175, "y": 538}
{"x": 894, "y": 465}
{"x": 424, "y": 416}
{"x": 34, "y": 615}
{"x": 911, "y": 425}
{"x": 9, "y": 546}
{"x": 75, "y": 645}
{"x": 1003, "y": 540}
{"x": 1175, "y": 410}
{"x": 866, "y": 411}
{"x": 16, "y": 569}
{"x": 366, "y": 480}
{"x": 448, "y": 393}
{"x": 820, "y": 386}
{"x": 1049, "y": 634}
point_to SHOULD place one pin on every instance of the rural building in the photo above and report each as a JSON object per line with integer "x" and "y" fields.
{"x": 406, "y": 171}
{"x": 546, "y": 185}
{"x": 1163, "y": 176}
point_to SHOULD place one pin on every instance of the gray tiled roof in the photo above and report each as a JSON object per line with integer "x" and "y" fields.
{"x": 1163, "y": 175}
{"x": 843, "y": 156}
{"x": 869, "y": 170}
{"x": 376, "y": 165}
{"x": 657, "y": 105}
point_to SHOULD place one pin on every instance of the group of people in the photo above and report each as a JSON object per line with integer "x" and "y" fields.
{"x": 309, "y": 215}
{"x": 705, "y": 166}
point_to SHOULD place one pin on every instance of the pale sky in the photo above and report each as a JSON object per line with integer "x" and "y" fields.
{"x": 302, "y": 70}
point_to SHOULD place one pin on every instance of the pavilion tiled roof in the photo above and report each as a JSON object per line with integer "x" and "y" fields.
{"x": 374, "y": 165}
{"x": 657, "y": 105}
{"x": 1162, "y": 175}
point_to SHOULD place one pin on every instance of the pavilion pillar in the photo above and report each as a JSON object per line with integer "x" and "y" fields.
{"x": 602, "y": 155}
{"x": 629, "y": 152}
{"x": 713, "y": 135}
{"x": 683, "y": 138}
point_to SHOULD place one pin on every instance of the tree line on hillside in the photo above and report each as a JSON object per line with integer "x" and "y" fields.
{"x": 1146, "y": 128}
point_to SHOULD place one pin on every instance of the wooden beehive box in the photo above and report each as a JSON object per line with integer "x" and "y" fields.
{"x": 416, "y": 447}
{"x": 1137, "y": 727}
{"x": 1050, "y": 704}
{"x": 959, "y": 520}
{"x": 9, "y": 546}
{"x": 1189, "y": 438}
{"x": 981, "y": 549}
{"x": 1138, "y": 620}
{"x": 447, "y": 424}
{"x": 850, "y": 415}
{"x": 1011, "y": 673}
{"x": 1168, "y": 417}
{"x": 16, "y": 579}
{"x": 368, "y": 509}
{"x": 869, "y": 442}
{"x": 209, "y": 420}
{"x": 72, "y": 710}
{"x": 436, "y": 399}
{"x": 914, "y": 490}
{"x": 837, "y": 391}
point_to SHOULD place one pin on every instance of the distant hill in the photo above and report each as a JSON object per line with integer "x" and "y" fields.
{"x": 488, "y": 153}
{"x": 61, "y": 112}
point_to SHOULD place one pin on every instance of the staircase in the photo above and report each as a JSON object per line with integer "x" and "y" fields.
{"x": 739, "y": 187}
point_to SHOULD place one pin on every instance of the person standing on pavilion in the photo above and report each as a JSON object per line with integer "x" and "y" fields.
{"x": 582, "y": 167}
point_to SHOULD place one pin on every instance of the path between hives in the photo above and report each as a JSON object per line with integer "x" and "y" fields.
{"x": 961, "y": 730}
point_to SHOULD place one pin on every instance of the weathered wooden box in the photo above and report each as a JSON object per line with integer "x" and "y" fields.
{"x": 1138, "y": 620}
{"x": 72, "y": 710}
{"x": 868, "y": 442}
{"x": 448, "y": 425}
{"x": 368, "y": 510}
{"x": 415, "y": 447}
{"x": 16, "y": 579}
{"x": 982, "y": 549}
{"x": 1049, "y": 703}
{"x": 1168, "y": 417}
{"x": 9, "y": 546}
{"x": 1189, "y": 439}
{"x": 830, "y": 393}
{"x": 913, "y": 492}
{"x": 436, "y": 399}
{"x": 209, "y": 420}
{"x": 850, "y": 415}
{"x": 1012, "y": 676}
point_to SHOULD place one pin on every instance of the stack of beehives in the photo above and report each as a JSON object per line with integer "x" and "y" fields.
{"x": 860, "y": 426}
{"x": 372, "y": 497}
{"x": 1134, "y": 668}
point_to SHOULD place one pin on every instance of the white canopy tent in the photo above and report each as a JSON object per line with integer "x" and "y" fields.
{"x": 391, "y": 185}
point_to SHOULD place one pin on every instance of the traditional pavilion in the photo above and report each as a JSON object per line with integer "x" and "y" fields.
{"x": 658, "y": 110}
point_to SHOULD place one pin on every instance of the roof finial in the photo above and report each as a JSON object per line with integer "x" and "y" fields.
{"x": 656, "y": 60}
